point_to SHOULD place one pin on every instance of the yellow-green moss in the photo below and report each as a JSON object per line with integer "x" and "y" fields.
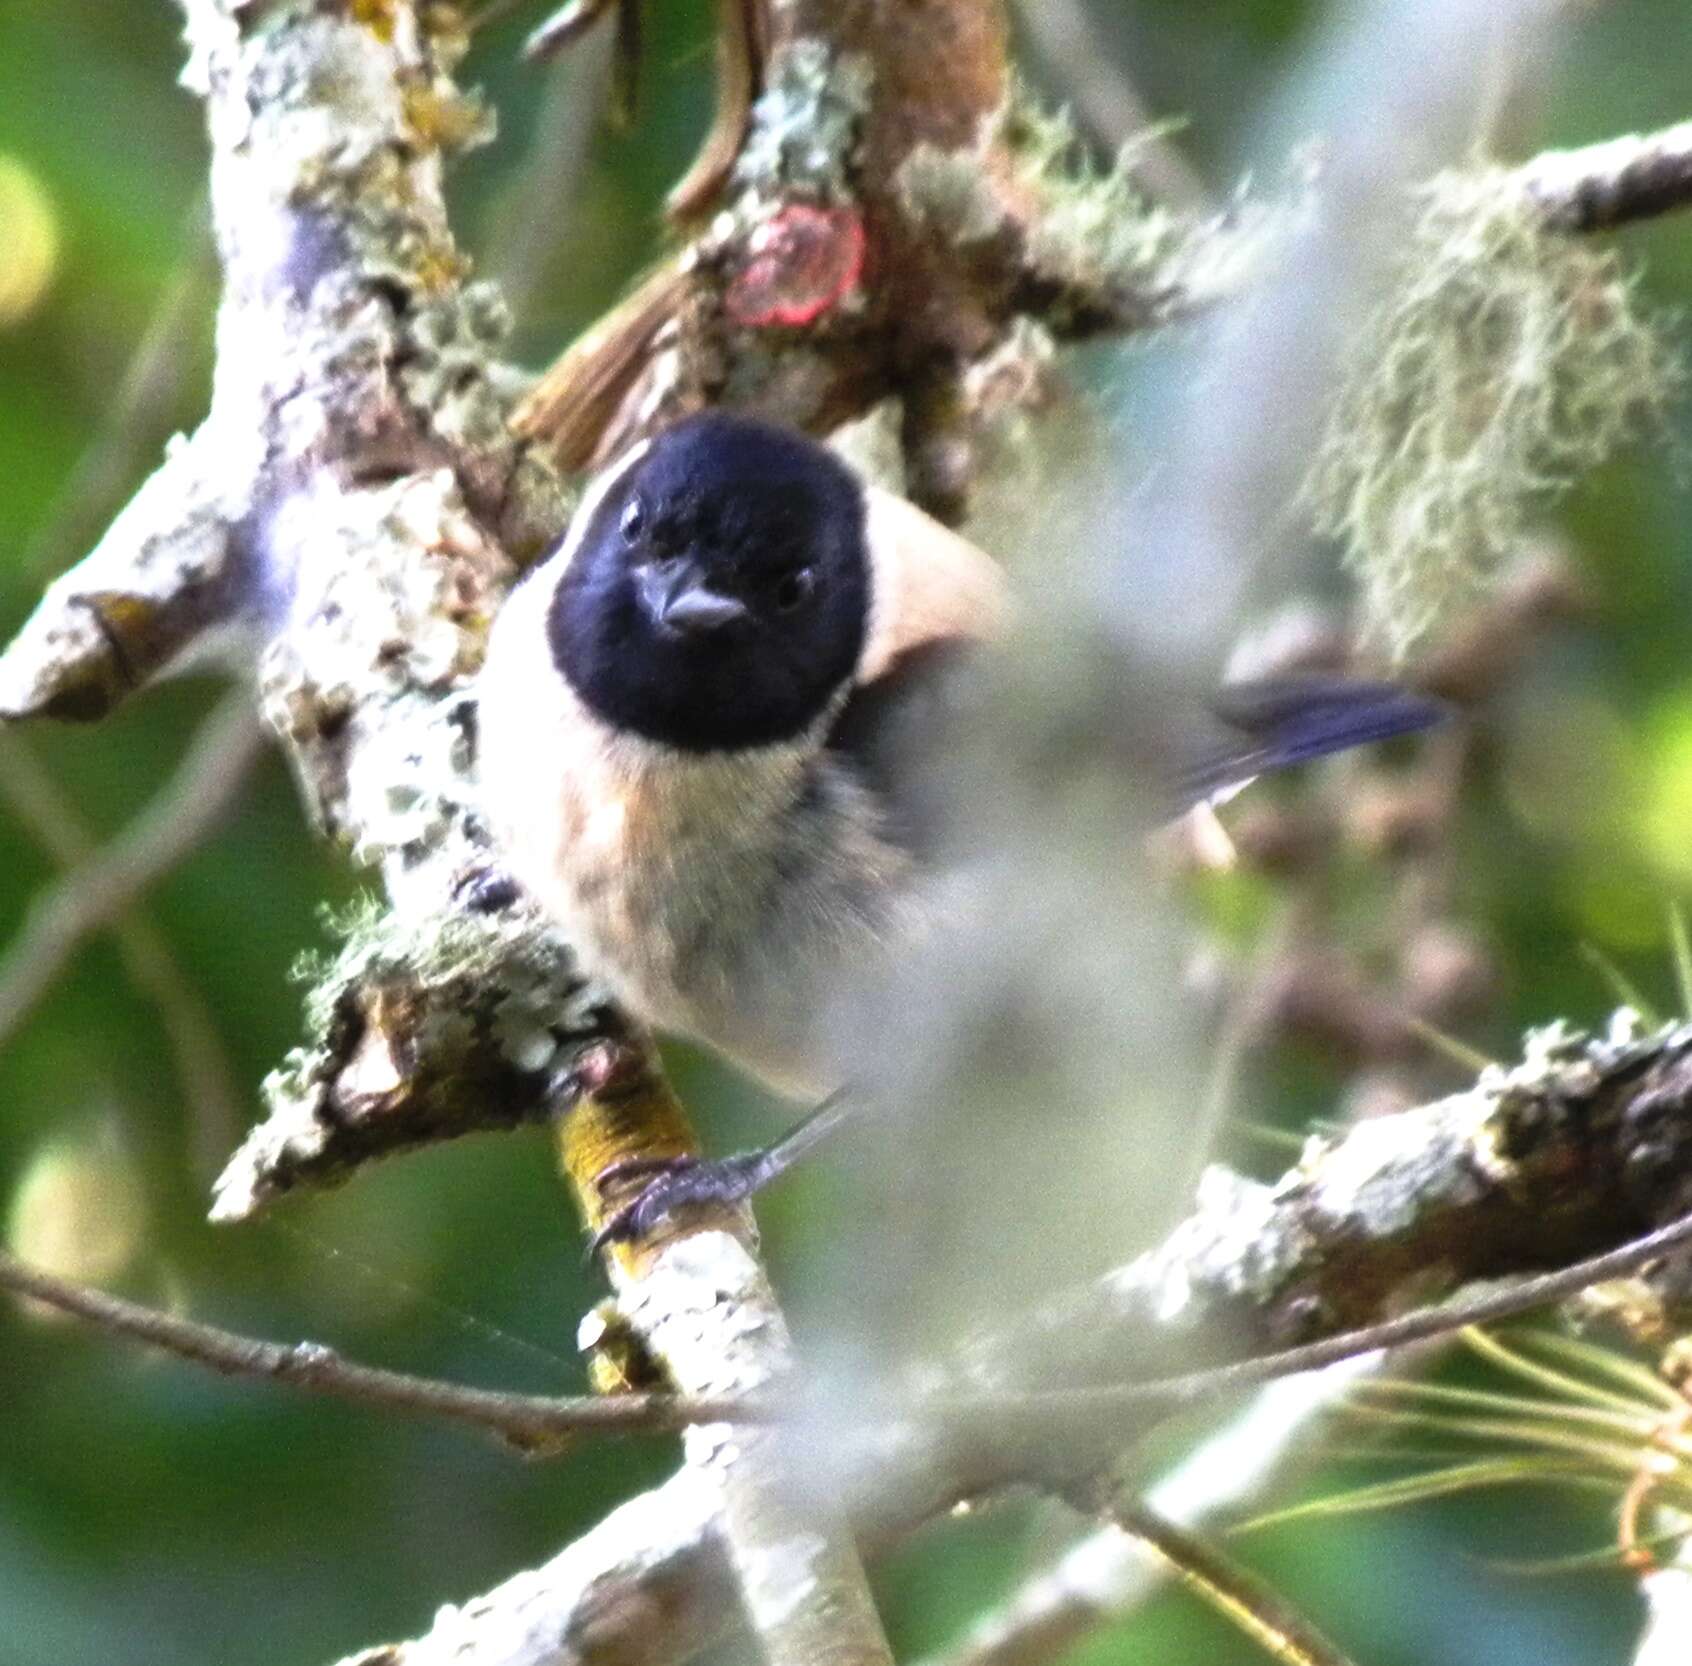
{"x": 1506, "y": 360}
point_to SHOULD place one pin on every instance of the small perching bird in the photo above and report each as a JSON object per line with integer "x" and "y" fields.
{"x": 712, "y": 720}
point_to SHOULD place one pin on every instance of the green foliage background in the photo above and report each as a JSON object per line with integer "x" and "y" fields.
{"x": 155, "y": 1517}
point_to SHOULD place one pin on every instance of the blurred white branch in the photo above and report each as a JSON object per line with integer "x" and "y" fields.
{"x": 1107, "y": 1573}
{"x": 1393, "y": 96}
{"x": 1598, "y": 187}
{"x": 1667, "y": 1636}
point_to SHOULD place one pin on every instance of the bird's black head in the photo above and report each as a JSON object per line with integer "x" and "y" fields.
{"x": 719, "y": 594}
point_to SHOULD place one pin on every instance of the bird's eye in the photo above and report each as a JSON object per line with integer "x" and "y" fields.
{"x": 794, "y": 588}
{"x": 634, "y": 520}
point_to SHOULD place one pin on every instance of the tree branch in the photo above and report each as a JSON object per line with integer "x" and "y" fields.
{"x": 697, "y": 1303}
{"x": 1599, "y": 187}
{"x": 1586, "y": 1141}
{"x": 343, "y": 517}
{"x": 1106, "y": 1573}
{"x": 102, "y": 887}
{"x": 104, "y": 884}
{"x": 1249, "y": 1602}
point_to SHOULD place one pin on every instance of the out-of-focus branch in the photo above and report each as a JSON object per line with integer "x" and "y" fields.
{"x": 102, "y": 886}
{"x": 1249, "y": 1602}
{"x": 1599, "y": 187}
{"x": 1084, "y": 70}
{"x": 140, "y": 415}
{"x": 1107, "y": 1573}
{"x": 533, "y": 220}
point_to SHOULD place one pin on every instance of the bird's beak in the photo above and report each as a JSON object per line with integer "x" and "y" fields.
{"x": 686, "y": 603}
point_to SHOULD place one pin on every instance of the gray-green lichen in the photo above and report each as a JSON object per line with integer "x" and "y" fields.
{"x": 1087, "y": 233}
{"x": 455, "y": 340}
{"x": 420, "y": 1028}
{"x": 805, "y": 124}
{"x": 1587, "y": 1135}
{"x": 1506, "y": 360}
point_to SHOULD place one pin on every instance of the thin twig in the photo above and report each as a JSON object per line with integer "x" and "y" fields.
{"x": 140, "y": 415}
{"x": 1104, "y": 1575}
{"x": 1249, "y": 1602}
{"x": 534, "y": 218}
{"x": 741, "y": 48}
{"x": 1424, "y": 1325}
{"x": 531, "y": 1421}
{"x": 566, "y": 26}
{"x": 1065, "y": 35}
{"x": 526, "y": 1419}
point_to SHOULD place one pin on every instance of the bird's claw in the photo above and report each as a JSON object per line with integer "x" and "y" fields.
{"x": 668, "y": 1184}
{"x": 486, "y": 891}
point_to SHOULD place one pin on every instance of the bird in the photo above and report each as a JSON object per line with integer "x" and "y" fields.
{"x": 710, "y": 723}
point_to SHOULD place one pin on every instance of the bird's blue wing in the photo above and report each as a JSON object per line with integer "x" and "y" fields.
{"x": 1279, "y": 721}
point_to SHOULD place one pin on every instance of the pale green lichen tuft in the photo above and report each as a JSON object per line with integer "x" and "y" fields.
{"x": 1092, "y": 231}
{"x": 1508, "y": 360}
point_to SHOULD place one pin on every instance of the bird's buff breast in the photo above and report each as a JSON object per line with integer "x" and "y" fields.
{"x": 688, "y": 885}
{"x": 657, "y": 870}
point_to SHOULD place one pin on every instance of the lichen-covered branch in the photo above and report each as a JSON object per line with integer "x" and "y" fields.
{"x": 1583, "y": 1145}
{"x": 163, "y": 581}
{"x": 817, "y": 288}
{"x": 862, "y": 139}
{"x": 695, "y": 1304}
{"x": 345, "y": 520}
{"x": 1588, "y": 1139}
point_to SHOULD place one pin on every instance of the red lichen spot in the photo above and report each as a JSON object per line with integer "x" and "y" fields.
{"x": 801, "y": 263}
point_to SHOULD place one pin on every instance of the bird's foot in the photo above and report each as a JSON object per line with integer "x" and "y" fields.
{"x": 486, "y": 891}
{"x": 668, "y": 1184}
